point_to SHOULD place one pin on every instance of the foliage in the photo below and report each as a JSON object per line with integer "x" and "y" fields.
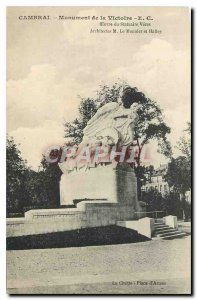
{"x": 153, "y": 200}
{"x": 174, "y": 206}
{"x": 51, "y": 176}
{"x": 36, "y": 192}
{"x": 26, "y": 188}
{"x": 149, "y": 126}
{"x": 184, "y": 143}
{"x": 16, "y": 170}
{"x": 43, "y": 187}
{"x": 178, "y": 174}
{"x": 169, "y": 203}
{"x": 87, "y": 109}
{"x": 108, "y": 94}
{"x": 149, "y": 171}
{"x": 178, "y": 177}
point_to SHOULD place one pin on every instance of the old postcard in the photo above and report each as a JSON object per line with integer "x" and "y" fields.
{"x": 99, "y": 150}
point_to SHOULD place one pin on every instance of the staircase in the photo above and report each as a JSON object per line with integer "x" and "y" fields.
{"x": 163, "y": 231}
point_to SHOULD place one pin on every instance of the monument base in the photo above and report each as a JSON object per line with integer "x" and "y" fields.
{"x": 116, "y": 184}
{"x": 86, "y": 214}
{"x": 106, "y": 194}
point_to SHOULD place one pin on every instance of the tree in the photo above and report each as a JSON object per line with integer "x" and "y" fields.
{"x": 149, "y": 171}
{"x": 179, "y": 170}
{"x": 87, "y": 109}
{"x": 42, "y": 187}
{"x": 173, "y": 204}
{"x": 51, "y": 174}
{"x": 150, "y": 125}
{"x": 169, "y": 203}
{"x": 154, "y": 200}
{"x": 140, "y": 173}
{"x": 26, "y": 188}
{"x": 36, "y": 190}
{"x": 16, "y": 170}
{"x": 178, "y": 177}
{"x": 184, "y": 143}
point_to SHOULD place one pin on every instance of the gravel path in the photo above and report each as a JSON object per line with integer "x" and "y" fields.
{"x": 128, "y": 268}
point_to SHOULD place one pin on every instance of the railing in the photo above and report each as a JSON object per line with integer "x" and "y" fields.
{"x": 151, "y": 214}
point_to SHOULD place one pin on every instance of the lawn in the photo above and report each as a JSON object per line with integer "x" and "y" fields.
{"x": 106, "y": 235}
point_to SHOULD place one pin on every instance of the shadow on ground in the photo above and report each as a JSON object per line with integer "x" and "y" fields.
{"x": 107, "y": 235}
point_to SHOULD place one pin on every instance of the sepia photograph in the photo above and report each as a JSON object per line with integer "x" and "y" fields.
{"x": 98, "y": 150}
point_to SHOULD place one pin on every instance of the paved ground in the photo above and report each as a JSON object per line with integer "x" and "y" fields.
{"x": 184, "y": 226}
{"x": 128, "y": 268}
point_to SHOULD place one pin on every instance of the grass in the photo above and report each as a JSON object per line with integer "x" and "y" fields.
{"x": 95, "y": 236}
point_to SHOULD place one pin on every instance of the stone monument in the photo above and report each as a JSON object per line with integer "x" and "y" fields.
{"x": 97, "y": 173}
{"x": 99, "y": 170}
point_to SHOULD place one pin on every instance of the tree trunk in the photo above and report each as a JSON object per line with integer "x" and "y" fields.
{"x": 184, "y": 206}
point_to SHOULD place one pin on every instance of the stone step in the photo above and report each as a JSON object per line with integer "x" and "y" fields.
{"x": 170, "y": 232}
{"x": 164, "y": 228}
{"x": 160, "y": 232}
{"x": 158, "y": 221}
{"x": 174, "y": 236}
{"x": 158, "y": 227}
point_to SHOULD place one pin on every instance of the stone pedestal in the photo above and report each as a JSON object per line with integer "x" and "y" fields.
{"x": 144, "y": 226}
{"x": 116, "y": 184}
{"x": 108, "y": 194}
{"x": 171, "y": 221}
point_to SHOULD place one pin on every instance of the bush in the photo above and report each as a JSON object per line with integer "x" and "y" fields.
{"x": 170, "y": 203}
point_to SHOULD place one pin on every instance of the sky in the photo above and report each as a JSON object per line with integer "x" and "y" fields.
{"x": 51, "y": 62}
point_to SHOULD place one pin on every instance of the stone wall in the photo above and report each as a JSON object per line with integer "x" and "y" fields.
{"x": 87, "y": 214}
{"x": 116, "y": 184}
